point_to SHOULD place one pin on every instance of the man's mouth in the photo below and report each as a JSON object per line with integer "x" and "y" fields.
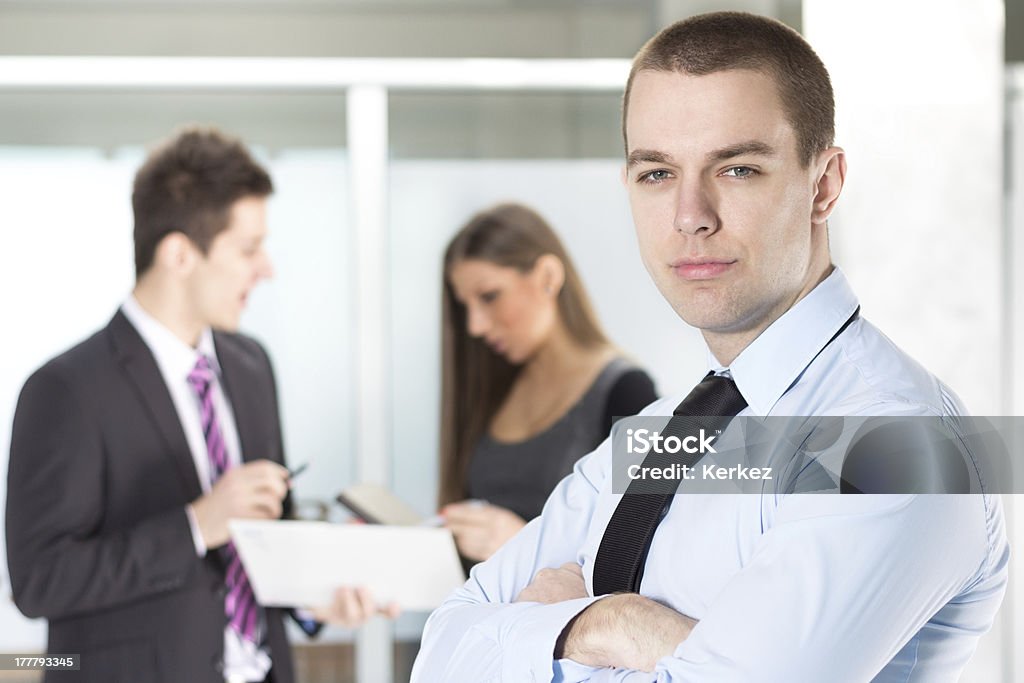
{"x": 701, "y": 268}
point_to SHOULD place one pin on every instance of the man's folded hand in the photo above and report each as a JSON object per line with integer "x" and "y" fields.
{"x": 555, "y": 585}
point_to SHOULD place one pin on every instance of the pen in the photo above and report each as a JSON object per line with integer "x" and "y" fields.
{"x": 292, "y": 473}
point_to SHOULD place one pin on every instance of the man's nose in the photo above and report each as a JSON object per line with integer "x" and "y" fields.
{"x": 694, "y": 211}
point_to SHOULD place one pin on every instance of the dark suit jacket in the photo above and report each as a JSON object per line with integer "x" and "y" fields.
{"x": 98, "y": 541}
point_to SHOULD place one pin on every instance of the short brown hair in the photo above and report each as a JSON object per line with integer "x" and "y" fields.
{"x": 188, "y": 185}
{"x": 720, "y": 41}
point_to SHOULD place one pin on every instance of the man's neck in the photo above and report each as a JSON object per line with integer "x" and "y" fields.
{"x": 167, "y": 308}
{"x": 727, "y": 346}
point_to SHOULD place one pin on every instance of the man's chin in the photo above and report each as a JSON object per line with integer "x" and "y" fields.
{"x": 226, "y": 324}
{"x": 707, "y": 319}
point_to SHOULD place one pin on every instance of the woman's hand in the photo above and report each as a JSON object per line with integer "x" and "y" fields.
{"x": 352, "y": 607}
{"x": 479, "y": 528}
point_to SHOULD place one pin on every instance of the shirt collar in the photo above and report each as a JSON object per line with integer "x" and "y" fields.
{"x": 173, "y": 355}
{"x": 772, "y": 363}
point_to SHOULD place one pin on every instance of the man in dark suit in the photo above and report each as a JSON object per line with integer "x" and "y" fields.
{"x": 130, "y": 451}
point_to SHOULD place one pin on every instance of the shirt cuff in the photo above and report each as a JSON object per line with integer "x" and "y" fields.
{"x": 569, "y": 671}
{"x": 197, "y": 537}
{"x": 531, "y": 640}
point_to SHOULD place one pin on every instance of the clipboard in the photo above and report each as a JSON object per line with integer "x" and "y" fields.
{"x": 375, "y": 504}
{"x": 301, "y": 564}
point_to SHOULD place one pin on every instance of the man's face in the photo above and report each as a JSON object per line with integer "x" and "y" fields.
{"x": 721, "y": 204}
{"x": 219, "y": 285}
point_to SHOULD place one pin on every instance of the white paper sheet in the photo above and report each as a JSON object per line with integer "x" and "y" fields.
{"x": 300, "y": 564}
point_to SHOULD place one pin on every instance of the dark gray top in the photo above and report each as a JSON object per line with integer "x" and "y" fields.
{"x": 520, "y": 475}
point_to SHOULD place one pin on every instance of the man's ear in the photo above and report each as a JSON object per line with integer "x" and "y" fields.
{"x": 176, "y": 254}
{"x": 831, "y": 175}
{"x": 551, "y": 271}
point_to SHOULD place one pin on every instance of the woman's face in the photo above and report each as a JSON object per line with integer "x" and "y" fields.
{"x": 512, "y": 312}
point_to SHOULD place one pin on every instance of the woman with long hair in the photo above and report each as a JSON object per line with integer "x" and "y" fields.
{"x": 530, "y": 381}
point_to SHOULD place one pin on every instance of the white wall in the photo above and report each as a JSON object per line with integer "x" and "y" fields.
{"x": 919, "y": 226}
{"x": 65, "y": 263}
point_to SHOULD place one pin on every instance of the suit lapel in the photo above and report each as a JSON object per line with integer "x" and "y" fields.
{"x": 139, "y": 365}
{"x": 240, "y": 391}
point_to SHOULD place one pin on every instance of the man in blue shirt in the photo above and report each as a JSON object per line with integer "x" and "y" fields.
{"x": 732, "y": 175}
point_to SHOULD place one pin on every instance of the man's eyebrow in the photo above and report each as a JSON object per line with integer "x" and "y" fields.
{"x": 640, "y": 156}
{"x": 751, "y": 147}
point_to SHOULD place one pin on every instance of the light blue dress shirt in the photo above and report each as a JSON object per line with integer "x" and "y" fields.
{"x": 796, "y": 588}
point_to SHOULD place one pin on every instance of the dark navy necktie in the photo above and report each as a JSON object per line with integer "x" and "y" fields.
{"x": 623, "y": 551}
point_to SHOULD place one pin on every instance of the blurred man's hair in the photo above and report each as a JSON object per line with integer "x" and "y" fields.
{"x": 188, "y": 185}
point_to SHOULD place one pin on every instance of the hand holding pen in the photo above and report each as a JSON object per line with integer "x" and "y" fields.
{"x": 252, "y": 490}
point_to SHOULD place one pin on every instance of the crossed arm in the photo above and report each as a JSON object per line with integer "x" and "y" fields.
{"x": 624, "y": 631}
{"x": 529, "y": 605}
{"x": 832, "y": 591}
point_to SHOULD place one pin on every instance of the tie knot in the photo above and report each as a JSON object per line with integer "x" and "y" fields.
{"x": 202, "y": 375}
{"x": 715, "y": 395}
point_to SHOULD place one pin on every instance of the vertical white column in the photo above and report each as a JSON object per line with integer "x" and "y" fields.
{"x": 670, "y": 11}
{"x": 919, "y": 229}
{"x": 1014, "y": 227}
{"x": 367, "y": 111}
{"x": 919, "y": 90}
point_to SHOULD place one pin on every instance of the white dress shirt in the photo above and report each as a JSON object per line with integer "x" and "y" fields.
{"x": 243, "y": 660}
{"x": 785, "y": 587}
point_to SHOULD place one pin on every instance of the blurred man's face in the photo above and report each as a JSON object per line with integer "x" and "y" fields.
{"x": 219, "y": 286}
{"x": 721, "y": 204}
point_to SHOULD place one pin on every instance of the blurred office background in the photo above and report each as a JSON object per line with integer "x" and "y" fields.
{"x": 373, "y": 179}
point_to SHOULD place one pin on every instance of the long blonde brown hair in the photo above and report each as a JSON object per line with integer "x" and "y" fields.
{"x": 474, "y": 379}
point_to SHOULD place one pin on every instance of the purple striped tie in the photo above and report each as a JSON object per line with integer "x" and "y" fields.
{"x": 240, "y": 604}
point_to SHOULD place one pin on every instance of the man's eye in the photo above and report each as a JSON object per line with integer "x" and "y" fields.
{"x": 489, "y": 297}
{"x": 654, "y": 177}
{"x": 740, "y": 172}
